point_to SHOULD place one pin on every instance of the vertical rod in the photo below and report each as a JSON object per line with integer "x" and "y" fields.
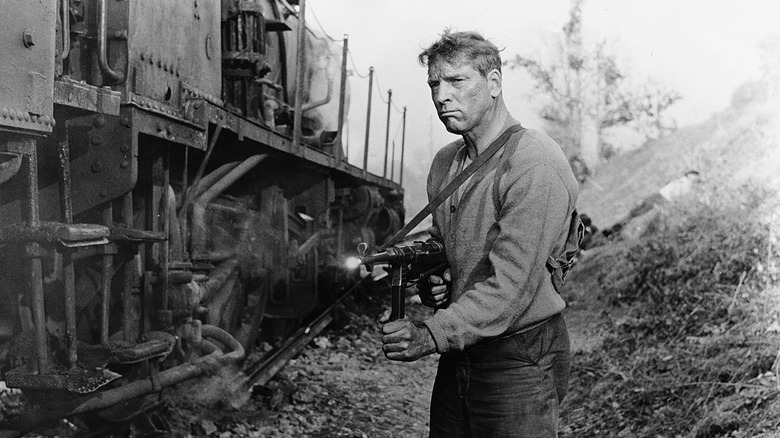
{"x": 387, "y": 129}
{"x": 65, "y": 28}
{"x": 39, "y": 315}
{"x": 340, "y": 234}
{"x": 166, "y": 225}
{"x": 392, "y": 162}
{"x": 129, "y": 273}
{"x": 299, "y": 59}
{"x": 403, "y": 149}
{"x": 35, "y": 280}
{"x": 68, "y": 269}
{"x": 108, "y": 267}
{"x": 342, "y": 99}
{"x": 69, "y": 280}
{"x": 182, "y": 218}
{"x": 368, "y": 118}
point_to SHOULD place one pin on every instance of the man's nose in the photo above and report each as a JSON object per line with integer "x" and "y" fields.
{"x": 443, "y": 93}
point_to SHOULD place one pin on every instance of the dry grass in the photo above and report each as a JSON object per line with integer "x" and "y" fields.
{"x": 695, "y": 352}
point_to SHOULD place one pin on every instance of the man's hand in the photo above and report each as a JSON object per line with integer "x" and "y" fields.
{"x": 404, "y": 341}
{"x": 436, "y": 292}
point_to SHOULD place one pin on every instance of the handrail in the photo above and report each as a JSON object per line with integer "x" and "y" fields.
{"x": 65, "y": 28}
{"x": 116, "y": 76}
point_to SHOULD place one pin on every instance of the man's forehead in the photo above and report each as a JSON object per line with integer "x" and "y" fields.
{"x": 442, "y": 68}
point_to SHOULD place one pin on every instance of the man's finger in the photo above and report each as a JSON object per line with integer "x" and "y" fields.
{"x": 385, "y": 317}
{"x": 438, "y": 290}
{"x": 447, "y": 276}
{"x": 396, "y": 347}
{"x": 435, "y": 279}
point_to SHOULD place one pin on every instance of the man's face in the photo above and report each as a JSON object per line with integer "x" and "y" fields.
{"x": 462, "y": 96}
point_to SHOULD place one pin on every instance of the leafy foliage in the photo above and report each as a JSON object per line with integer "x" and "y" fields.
{"x": 586, "y": 87}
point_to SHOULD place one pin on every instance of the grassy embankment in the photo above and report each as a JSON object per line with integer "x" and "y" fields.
{"x": 689, "y": 307}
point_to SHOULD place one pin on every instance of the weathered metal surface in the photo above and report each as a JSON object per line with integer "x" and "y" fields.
{"x": 135, "y": 236}
{"x": 105, "y": 165}
{"x": 79, "y": 94}
{"x": 49, "y": 232}
{"x": 183, "y": 47}
{"x": 251, "y": 130}
{"x": 80, "y": 381}
{"x": 155, "y": 121}
{"x": 27, "y": 68}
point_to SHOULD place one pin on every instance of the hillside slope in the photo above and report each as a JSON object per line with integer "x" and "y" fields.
{"x": 731, "y": 148}
{"x": 676, "y": 330}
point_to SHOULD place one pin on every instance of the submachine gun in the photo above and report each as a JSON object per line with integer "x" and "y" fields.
{"x": 408, "y": 264}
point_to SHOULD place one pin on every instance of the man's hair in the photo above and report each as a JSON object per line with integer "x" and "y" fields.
{"x": 463, "y": 47}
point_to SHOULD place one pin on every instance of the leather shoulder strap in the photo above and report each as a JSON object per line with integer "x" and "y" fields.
{"x": 453, "y": 185}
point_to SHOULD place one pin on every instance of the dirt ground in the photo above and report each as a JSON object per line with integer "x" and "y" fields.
{"x": 341, "y": 385}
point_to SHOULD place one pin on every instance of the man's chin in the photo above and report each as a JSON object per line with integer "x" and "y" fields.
{"x": 454, "y": 128}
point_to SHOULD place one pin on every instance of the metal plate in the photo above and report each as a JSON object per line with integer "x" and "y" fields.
{"x": 27, "y": 68}
{"x": 181, "y": 48}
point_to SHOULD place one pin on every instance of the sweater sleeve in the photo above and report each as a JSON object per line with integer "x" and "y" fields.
{"x": 535, "y": 206}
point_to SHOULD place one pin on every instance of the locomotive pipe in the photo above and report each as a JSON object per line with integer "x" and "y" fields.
{"x": 213, "y": 176}
{"x": 32, "y": 419}
{"x": 116, "y": 76}
{"x": 199, "y": 228}
{"x": 191, "y": 194}
{"x": 65, "y": 28}
{"x": 201, "y": 169}
{"x": 311, "y": 105}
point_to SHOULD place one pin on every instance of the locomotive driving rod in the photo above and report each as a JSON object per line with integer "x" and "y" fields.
{"x": 34, "y": 418}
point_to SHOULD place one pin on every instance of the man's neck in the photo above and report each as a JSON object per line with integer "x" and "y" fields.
{"x": 478, "y": 140}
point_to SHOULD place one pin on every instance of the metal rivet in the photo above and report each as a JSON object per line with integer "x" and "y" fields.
{"x": 5, "y": 112}
{"x": 28, "y": 37}
{"x": 124, "y": 164}
{"x": 97, "y": 167}
{"x": 103, "y": 193}
{"x": 99, "y": 121}
{"x": 124, "y": 147}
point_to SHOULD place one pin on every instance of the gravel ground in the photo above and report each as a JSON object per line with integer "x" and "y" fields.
{"x": 341, "y": 385}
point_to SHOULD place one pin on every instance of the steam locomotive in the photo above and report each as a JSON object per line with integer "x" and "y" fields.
{"x": 173, "y": 190}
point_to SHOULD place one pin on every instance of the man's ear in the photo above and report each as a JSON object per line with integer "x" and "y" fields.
{"x": 494, "y": 82}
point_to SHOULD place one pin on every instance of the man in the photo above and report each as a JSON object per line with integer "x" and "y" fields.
{"x": 504, "y": 347}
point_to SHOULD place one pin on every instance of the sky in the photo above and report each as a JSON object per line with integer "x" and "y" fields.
{"x": 703, "y": 49}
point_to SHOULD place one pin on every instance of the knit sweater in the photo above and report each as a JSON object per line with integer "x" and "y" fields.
{"x": 498, "y": 239}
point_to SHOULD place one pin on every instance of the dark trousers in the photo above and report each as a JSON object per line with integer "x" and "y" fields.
{"x": 511, "y": 387}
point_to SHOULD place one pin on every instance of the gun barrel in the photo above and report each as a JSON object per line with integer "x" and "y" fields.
{"x": 404, "y": 254}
